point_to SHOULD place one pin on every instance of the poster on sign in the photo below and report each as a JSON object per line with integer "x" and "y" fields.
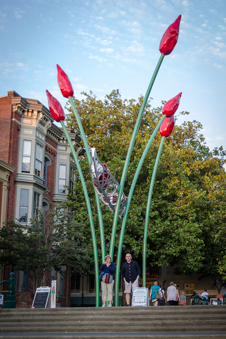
{"x": 53, "y": 294}
{"x": 140, "y": 296}
{"x": 42, "y": 299}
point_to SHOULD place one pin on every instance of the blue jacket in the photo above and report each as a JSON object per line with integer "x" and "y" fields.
{"x": 110, "y": 269}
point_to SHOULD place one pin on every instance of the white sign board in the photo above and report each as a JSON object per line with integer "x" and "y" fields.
{"x": 53, "y": 294}
{"x": 1, "y": 299}
{"x": 42, "y": 299}
{"x": 140, "y": 297}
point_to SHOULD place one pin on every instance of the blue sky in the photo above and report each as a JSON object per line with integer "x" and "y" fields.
{"x": 110, "y": 44}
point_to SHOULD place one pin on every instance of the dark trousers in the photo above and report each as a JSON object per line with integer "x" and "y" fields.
{"x": 173, "y": 302}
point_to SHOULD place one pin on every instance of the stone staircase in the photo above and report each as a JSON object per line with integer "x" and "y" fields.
{"x": 115, "y": 322}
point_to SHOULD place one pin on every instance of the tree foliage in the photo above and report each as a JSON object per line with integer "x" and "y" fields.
{"x": 188, "y": 211}
{"x": 36, "y": 250}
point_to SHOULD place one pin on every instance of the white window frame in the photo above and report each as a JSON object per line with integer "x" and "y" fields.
{"x": 62, "y": 179}
{"x": 23, "y": 206}
{"x": 24, "y": 155}
{"x": 37, "y": 160}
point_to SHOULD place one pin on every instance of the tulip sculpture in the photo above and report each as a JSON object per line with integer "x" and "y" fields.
{"x": 105, "y": 186}
{"x": 167, "y": 44}
{"x": 168, "y": 110}
{"x": 57, "y": 113}
{"x": 67, "y": 91}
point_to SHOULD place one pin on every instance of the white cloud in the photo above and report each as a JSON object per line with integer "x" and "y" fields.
{"x": 222, "y": 27}
{"x": 97, "y": 58}
{"x": 107, "y": 50}
{"x": 81, "y": 32}
{"x": 18, "y": 13}
{"x": 105, "y": 29}
{"x": 219, "y": 44}
{"x": 136, "y": 47}
{"x": 220, "y": 138}
{"x": 218, "y": 38}
{"x": 218, "y": 66}
{"x": 80, "y": 87}
{"x": 103, "y": 41}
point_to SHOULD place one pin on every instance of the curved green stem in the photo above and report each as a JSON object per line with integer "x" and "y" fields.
{"x": 89, "y": 211}
{"x": 126, "y": 165}
{"x": 119, "y": 254}
{"x": 148, "y": 210}
{"x": 89, "y": 160}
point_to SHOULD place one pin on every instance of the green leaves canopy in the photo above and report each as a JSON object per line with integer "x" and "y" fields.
{"x": 188, "y": 212}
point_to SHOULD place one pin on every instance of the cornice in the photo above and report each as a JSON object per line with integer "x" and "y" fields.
{"x": 6, "y": 166}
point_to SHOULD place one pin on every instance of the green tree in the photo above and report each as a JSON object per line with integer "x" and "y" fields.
{"x": 35, "y": 251}
{"x": 187, "y": 217}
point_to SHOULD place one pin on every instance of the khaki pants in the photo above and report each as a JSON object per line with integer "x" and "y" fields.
{"x": 107, "y": 291}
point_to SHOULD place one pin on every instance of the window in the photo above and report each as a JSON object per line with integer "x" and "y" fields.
{"x": 36, "y": 204}
{"x": 189, "y": 288}
{"x": 72, "y": 180}
{"x": 23, "y": 211}
{"x": 62, "y": 179}
{"x": 38, "y": 160}
{"x": 45, "y": 171}
{"x": 26, "y": 158}
{"x": 47, "y": 163}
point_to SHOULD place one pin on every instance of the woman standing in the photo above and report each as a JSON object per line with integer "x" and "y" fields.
{"x": 107, "y": 286}
{"x": 154, "y": 291}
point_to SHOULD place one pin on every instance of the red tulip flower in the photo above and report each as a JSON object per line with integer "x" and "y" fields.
{"x": 172, "y": 105}
{"x": 167, "y": 126}
{"x": 170, "y": 37}
{"x": 64, "y": 83}
{"x": 55, "y": 108}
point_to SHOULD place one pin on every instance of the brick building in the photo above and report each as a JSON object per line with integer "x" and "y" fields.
{"x": 35, "y": 169}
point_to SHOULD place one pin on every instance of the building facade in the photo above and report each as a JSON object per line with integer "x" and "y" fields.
{"x": 36, "y": 167}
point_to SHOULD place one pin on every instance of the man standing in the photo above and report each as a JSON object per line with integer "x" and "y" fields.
{"x": 172, "y": 294}
{"x": 130, "y": 273}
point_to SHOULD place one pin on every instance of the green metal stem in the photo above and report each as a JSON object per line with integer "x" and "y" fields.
{"x": 148, "y": 210}
{"x": 126, "y": 165}
{"x": 89, "y": 160}
{"x": 89, "y": 211}
{"x": 119, "y": 254}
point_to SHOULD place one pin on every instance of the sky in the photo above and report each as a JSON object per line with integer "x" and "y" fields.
{"x": 114, "y": 44}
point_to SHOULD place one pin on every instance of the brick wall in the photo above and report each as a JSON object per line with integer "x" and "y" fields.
{"x": 5, "y": 115}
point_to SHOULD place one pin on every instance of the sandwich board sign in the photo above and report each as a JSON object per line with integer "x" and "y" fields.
{"x": 42, "y": 297}
{"x": 140, "y": 296}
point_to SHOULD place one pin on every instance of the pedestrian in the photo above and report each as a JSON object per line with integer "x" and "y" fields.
{"x": 163, "y": 300}
{"x": 154, "y": 291}
{"x": 172, "y": 294}
{"x": 107, "y": 282}
{"x": 130, "y": 273}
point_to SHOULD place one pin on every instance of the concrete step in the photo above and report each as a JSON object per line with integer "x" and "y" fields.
{"x": 83, "y": 322}
{"x": 162, "y": 335}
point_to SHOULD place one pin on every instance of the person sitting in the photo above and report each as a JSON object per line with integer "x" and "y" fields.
{"x": 192, "y": 299}
{"x": 220, "y": 296}
{"x": 182, "y": 299}
{"x": 204, "y": 296}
